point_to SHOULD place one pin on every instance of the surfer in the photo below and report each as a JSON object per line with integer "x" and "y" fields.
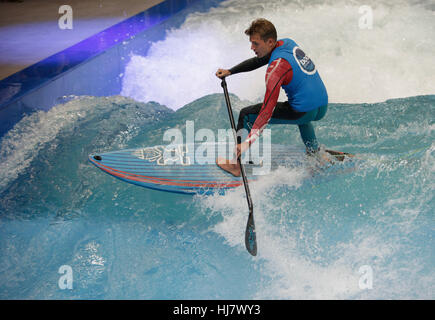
{"x": 288, "y": 68}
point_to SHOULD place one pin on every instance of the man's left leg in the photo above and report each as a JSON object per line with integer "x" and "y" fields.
{"x": 309, "y": 137}
{"x": 306, "y": 128}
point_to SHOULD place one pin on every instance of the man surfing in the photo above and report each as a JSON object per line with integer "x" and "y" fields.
{"x": 288, "y": 68}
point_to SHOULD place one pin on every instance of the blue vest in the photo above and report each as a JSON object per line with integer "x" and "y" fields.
{"x": 306, "y": 90}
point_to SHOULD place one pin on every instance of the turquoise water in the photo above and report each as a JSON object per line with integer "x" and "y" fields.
{"x": 123, "y": 241}
{"x": 353, "y": 234}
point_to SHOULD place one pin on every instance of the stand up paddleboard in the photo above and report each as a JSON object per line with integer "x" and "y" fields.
{"x": 192, "y": 169}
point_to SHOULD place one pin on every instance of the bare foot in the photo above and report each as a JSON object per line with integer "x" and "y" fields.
{"x": 230, "y": 166}
{"x": 322, "y": 157}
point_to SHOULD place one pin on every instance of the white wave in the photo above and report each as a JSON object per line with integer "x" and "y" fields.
{"x": 392, "y": 59}
{"x": 24, "y": 141}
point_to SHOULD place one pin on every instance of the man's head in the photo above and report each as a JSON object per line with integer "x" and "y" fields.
{"x": 262, "y": 35}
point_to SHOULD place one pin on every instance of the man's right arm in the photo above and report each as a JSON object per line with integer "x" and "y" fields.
{"x": 250, "y": 64}
{"x": 245, "y": 66}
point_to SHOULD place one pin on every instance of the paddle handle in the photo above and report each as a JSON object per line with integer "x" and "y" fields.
{"x": 250, "y": 236}
{"x": 233, "y": 126}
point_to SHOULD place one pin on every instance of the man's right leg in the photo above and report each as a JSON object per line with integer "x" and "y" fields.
{"x": 244, "y": 119}
{"x": 282, "y": 111}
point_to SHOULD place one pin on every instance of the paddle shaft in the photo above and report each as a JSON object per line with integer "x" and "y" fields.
{"x": 250, "y": 237}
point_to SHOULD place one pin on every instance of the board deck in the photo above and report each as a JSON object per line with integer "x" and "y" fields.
{"x": 191, "y": 168}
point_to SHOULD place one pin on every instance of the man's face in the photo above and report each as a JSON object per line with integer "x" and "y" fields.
{"x": 260, "y": 47}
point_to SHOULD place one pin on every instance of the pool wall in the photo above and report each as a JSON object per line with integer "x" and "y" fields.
{"x": 93, "y": 66}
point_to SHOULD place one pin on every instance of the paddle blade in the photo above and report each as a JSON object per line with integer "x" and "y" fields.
{"x": 250, "y": 236}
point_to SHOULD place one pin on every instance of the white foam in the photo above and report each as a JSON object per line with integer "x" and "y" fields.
{"x": 393, "y": 59}
{"x": 233, "y": 205}
{"x": 292, "y": 276}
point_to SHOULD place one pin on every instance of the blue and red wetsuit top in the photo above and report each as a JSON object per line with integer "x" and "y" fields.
{"x": 289, "y": 68}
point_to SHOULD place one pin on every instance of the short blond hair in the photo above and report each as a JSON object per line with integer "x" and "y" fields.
{"x": 264, "y": 28}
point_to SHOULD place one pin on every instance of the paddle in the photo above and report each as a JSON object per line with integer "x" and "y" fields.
{"x": 250, "y": 237}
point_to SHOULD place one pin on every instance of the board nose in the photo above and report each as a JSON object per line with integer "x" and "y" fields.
{"x": 97, "y": 157}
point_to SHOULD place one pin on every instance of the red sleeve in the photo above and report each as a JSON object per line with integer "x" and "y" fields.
{"x": 278, "y": 73}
